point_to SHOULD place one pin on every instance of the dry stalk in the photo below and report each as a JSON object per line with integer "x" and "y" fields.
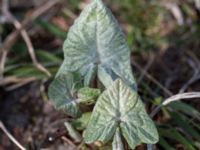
{"x": 10, "y": 136}
{"x": 20, "y": 29}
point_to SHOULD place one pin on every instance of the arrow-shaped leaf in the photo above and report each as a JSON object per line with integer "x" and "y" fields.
{"x": 95, "y": 43}
{"x": 61, "y": 93}
{"x": 120, "y": 106}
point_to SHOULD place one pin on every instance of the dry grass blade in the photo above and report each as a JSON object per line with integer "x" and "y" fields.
{"x": 177, "y": 97}
{"x": 13, "y": 80}
{"x": 175, "y": 10}
{"x": 11, "y": 137}
{"x": 20, "y": 84}
{"x": 3, "y": 58}
{"x": 197, "y": 4}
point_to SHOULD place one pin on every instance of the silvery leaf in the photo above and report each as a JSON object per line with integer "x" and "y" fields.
{"x": 120, "y": 107}
{"x": 61, "y": 93}
{"x": 96, "y": 43}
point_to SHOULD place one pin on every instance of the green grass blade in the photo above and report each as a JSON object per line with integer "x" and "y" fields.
{"x": 185, "y": 108}
{"x": 163, "y": 143}
{"x": 47, "y": 57}
{"x": 182, "y": 122}
{"x": 175, "y": 135}
{"x": 51, "y": 28}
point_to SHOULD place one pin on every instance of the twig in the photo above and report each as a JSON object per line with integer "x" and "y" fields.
{"x": 195, "y": 65}
{"x": 25, "y": 36}
{"x": 194, "y": 78}
{"x": 11, "y": 137}
{"x": 151, "y": 78}
{"x": 174, "y": 98}
{"x": 80, "y": 146}
{"x": 12, "y": 37}
{"x": 65, "y": 139}
{"x": 150, "y": 62}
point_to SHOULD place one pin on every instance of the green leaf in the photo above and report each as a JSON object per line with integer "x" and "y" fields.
{"x": 96, "y": 43}
{"x": 61, "y": 93}
{"x": 88, "y": 95}
{"x": 120, "y": 106}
